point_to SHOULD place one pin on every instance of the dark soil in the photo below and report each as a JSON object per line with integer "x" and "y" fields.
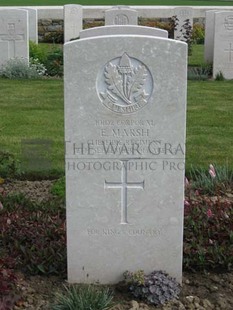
{"x": 199, "y": 290}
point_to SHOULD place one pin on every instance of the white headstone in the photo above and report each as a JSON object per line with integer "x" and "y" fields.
{"x": 209, "y": 36}
{"x": 121, "y": 15}
{"x": 73, "y": 21}
{"x": 13, "y": 34}
{"x": 223, "y": 44}
{"x": 129, "y": 29}
{"x": 125, "y": 111}
{"x": 33, "y": 24}
{"x": 183, "y": 14}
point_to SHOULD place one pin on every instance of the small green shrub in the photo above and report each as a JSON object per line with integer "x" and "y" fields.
{"x": 16, "y": 68}
{"x": 9, "y": 166}
{"x": 219, "y": 76}
{"x": 198, "y": 73}
{"x": 58, "y": 188}
{"x": 54, "y": 63}
{"x": 217, "y": 178}
{"x": 84, "y": 298}
{"x": 198, "y": 34}
{"x": 155, "y": 288}
{"x": 37, "y": 51}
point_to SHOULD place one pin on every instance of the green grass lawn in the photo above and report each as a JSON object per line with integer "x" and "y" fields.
{"x": 110, "y": 2}
{"x": 34, "y": 110}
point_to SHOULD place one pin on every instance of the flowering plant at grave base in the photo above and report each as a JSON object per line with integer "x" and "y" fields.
{"x": 208, "y": 233}
{"x": 155, "y": 288}
{"x": 217, "y": 179}
{"x": 35, "y": 64}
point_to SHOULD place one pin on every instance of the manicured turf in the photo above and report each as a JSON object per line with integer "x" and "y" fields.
{"x": 34, "y": 110}
{"x": 110, "y": 2}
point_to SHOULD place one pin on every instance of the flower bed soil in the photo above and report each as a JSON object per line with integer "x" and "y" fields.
{"x": 199, "y": 290}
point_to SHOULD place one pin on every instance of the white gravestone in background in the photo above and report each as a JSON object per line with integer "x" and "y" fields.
{"x": 209, "y": 36}
{"x": 13, "y": 34}
{"x": 112, "y": 30}
{"x": 33, "y": 24}
{"x": 223, "y": 44}
{"x": 182, "y": 14}
{"x": 125, "y": 115}
{"x": 121, "y": 15}
{"x": 73, "y": 21}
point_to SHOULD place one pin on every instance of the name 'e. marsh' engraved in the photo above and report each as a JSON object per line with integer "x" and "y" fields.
{"x": 124, "y": 85}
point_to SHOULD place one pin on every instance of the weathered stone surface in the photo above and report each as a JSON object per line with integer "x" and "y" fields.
{"x": 112, "y": 30}
{"x": 209, "y": 36}
{"x": 13, "y": 34}
{"x": 125, "y": 107}
{"x": 183, "y": 14}
{"x": 73, "y": 21}
{"x": 223, "y": 44}
{"x": 121, "y": 15}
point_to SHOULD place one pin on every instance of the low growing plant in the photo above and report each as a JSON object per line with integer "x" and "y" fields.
{"x": 17, "y": 68}
{"x": 37, "y": 51}
{"x": 208, "y": 232}
{"x": 219, "y": 76}
{"x": 58, "y": 188}
{"x": 155, "y": 288}
{"x": 54, "y": 62}
{"x": 198, "y": 34}
{"x": 9, "y": 166}
{"x": 8, "y": 285}
{"x": 217, "y": 178}
{"x": 34, "y": 235}
{"x": 201, "y": 73}
{"x": 84, "y": 298}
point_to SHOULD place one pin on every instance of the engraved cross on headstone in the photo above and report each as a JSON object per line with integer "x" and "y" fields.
{"x": 124, "y": 186}
{"x": 230, "y": 50}
{"x": 11, "y": 37}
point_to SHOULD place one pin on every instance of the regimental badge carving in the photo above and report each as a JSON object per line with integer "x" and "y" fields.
{"x": 228, "y": 23}
{"x": 121, "y": 19}
{"x": 125, "y": 84}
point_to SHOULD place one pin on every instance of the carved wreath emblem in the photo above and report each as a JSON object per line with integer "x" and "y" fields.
{"x": 126, "y": 85}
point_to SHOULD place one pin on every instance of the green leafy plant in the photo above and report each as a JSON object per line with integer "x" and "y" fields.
{"x": 9, "y": 166}
{"x": 199, "y": 73}
{"x": 38, "y": 51}
{"x": 54, "y": 63}
{"x": 198, "y": 34}
{"x": 17, "y": 68}
{"x": 35, "y": 64}
{"x": 219, "y": 76}
{"x": 155, "y": 288}
{"x": 84, "y": 298}
{"x": 217, "y": 178}
{"x": 58, "y": 188}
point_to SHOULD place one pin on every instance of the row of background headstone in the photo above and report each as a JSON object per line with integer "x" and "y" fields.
{"x": 219, "y": 42}
{"x": 218, "y": 31}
